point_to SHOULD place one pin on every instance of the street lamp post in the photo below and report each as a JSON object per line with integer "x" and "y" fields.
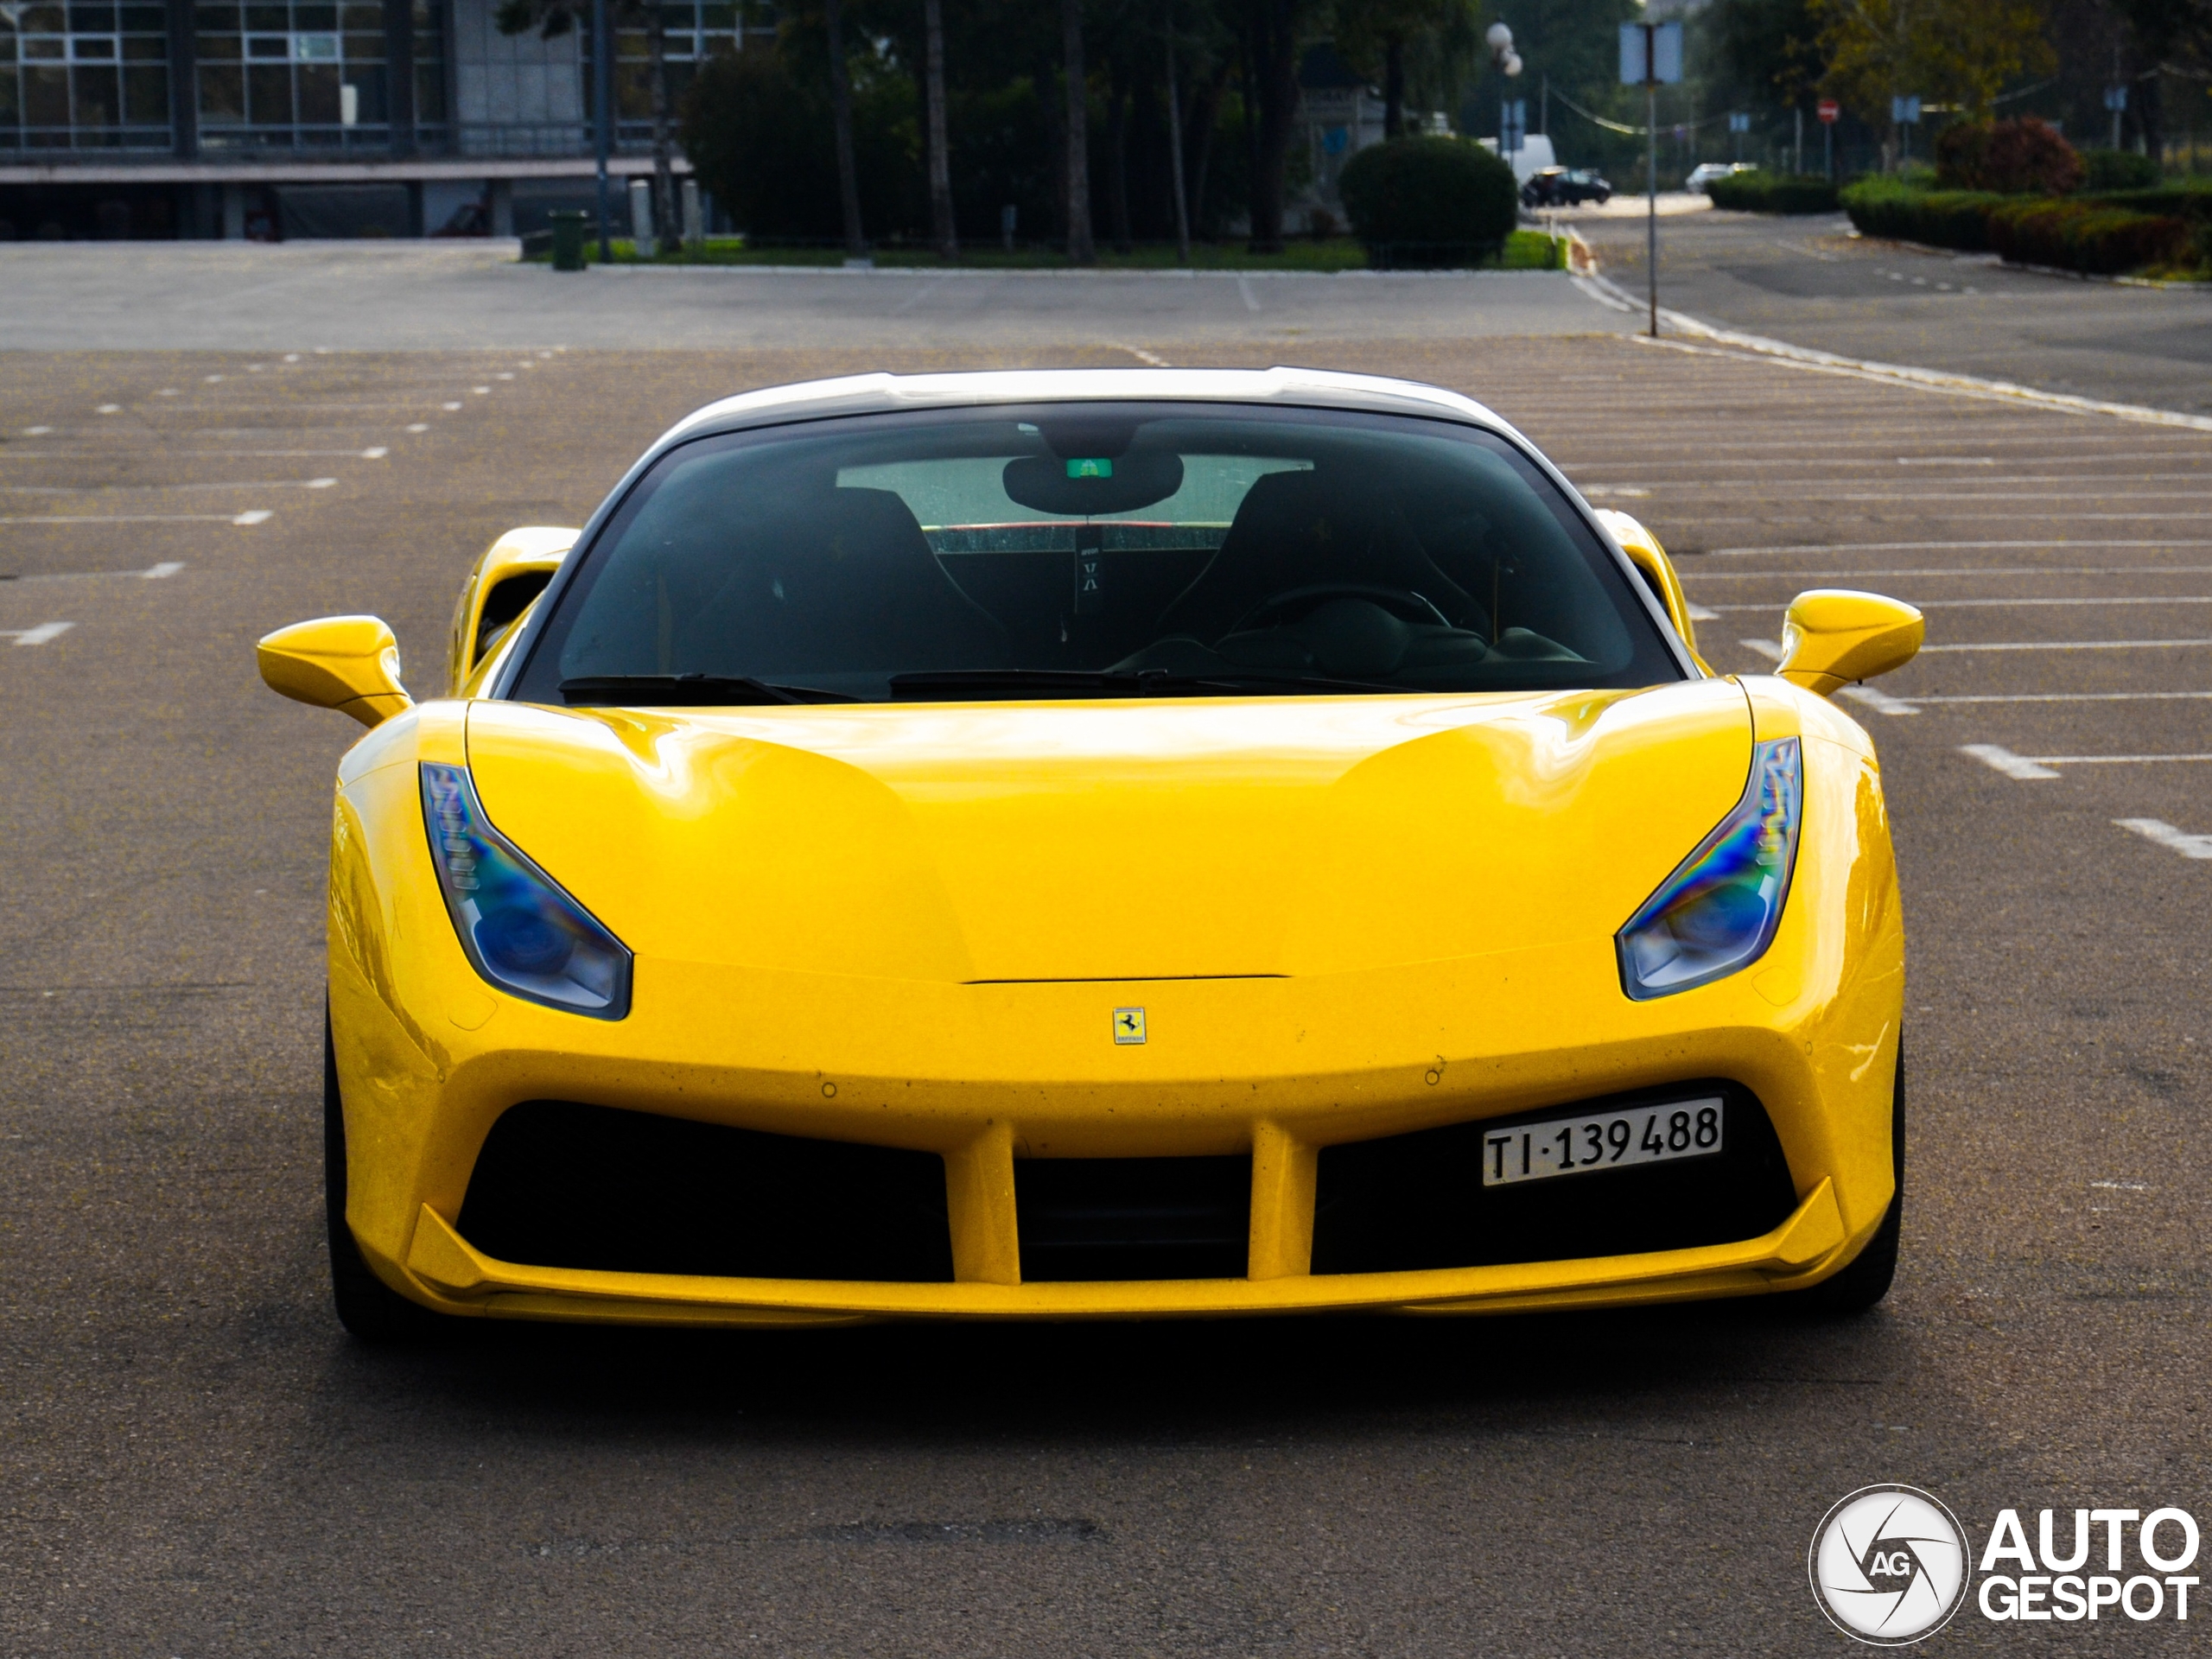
{"x": 602, "y": 81}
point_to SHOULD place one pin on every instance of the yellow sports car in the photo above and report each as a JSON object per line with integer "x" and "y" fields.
{"x": 1056, "y": 845}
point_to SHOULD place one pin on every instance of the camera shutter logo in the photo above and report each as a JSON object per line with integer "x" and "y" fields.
{"x": 1889, "y": 1564}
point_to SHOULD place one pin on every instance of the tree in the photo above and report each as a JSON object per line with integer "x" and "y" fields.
{"x": 1374, "y": 34}
{"x": 841, "y": 116}
{"x": 1080, "y": 250}
{"x": 1271, "y": 82}
{"x": 550, "y": 19}
{"x": 1958, "y": 52}
{"x": 941, "y": 225}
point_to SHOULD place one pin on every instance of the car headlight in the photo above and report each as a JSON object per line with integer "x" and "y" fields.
{"x": 518, "y": 929}
{"x": 1717, "y": 913}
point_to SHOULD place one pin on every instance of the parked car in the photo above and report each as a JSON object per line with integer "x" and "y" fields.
{"x": 1706, "y": 172}
{"x": 1564, "y": 187}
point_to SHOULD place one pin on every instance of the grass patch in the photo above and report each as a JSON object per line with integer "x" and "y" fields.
{"x": 1524, "y": 251}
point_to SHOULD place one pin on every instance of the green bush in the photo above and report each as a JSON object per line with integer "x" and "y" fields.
{"x": 1774, "y": 192}
{"x": 2192, "y": 201}
{"x": 2084, "y": 237}
{"x": 1939, "y": 218}
{"x": 1429, "y": 201}
{"x": 2119, "y": 169}
{"x": 2022, "y": 156}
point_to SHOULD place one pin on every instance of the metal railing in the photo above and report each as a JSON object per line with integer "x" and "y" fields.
{"x": 299, "y": 141}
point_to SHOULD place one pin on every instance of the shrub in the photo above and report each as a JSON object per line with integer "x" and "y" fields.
{"x": 2192, "y": 201}
{"x": 2085, "y": 237}
{"x": 1773, "y": 193}
{"x": 2022, "y": 156}
{"x": 1429, "y": 201}
{"x": 1939, "y": 219}
{"x": 2119, "y": 169}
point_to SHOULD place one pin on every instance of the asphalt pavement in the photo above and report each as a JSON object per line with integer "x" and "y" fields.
{"x": 197, "y": 1461}
{"x": 1814, "y": 281}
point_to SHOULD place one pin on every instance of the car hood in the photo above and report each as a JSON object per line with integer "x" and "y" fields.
{"x": 1115, "y": 839}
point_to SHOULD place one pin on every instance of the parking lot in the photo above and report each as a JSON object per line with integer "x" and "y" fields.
{"x": 197, "y": 1461}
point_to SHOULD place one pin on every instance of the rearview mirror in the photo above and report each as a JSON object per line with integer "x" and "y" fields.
{"x": 347, "y": 663}
{"x": 1834, "y": 636}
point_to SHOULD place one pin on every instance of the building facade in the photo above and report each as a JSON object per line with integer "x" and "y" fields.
{"x": 295, "y": 117}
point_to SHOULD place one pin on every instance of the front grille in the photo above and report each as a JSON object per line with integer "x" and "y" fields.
{"x": 1132, "y": 1218}
{"x": 561, "y": 1185}
{"x": 1417, "y": 1201}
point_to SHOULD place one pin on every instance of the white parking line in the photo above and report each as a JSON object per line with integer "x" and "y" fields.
{"x": 1694, "y": 574}
{"x": 2110, "y": 760}
{"x": 2072, "y": 645}
{"x": 155, "y": 489}
{"x": 253, "y": 516}
{"x": 1881, "y": 701}
{"x": 2003, "y": 760}
{"x": 1963, "y": 604}
{"x": 2165, "y": 835}
{"x": 1932, "y": 547}
{"x": 39, "y": 635}
{"x": 156, "y": 572}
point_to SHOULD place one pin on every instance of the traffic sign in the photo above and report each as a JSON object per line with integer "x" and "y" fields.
{"x": 1651, "y": 54}
{"x": 1830, "y": 110}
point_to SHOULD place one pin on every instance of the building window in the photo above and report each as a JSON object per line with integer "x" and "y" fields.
{"x": 694, "y": 30}
{"x": 307, "y": 76}
{"x": 84, "y": 77}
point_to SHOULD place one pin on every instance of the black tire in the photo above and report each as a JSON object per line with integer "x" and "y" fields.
{"x": 1866, "y": 1281}
{"x": 371, "y": 1310}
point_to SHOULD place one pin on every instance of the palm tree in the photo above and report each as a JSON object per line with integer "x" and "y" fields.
{"x": 948, "y": 235}
{"x": 841, "y": 115}
{"x": 1080, "y": 250}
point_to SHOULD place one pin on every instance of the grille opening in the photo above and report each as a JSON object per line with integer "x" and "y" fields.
{"x": 563, "y": 1185}
{"x": 1417, "y": 1201}
{"x": 1132, "y": 1218}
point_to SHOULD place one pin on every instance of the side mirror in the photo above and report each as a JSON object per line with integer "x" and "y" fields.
{"x": 347, "y": 663}
{"x": 1657, "y": 570}
{"x": 1834, "y": 636}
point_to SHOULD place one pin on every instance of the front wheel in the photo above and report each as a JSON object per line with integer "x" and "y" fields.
{"x": 367, "y": 1307}
{"x": 1867, "y": 1280}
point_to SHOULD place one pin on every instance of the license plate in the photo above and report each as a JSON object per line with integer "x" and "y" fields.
{"x": 1576, "y": 1146}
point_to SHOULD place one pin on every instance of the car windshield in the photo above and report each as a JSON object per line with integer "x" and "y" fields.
{"x": 1105, "y": 549}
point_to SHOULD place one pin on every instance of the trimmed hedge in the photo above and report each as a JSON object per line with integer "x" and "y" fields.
{"x": 2023, "y": 156}
{"x": 2119, "y": 169}
{"x": 2100, "y": 236}
{"x": 2083, "y": 236}
{"x": 1941, "y": 219}
{"x": 1773, "y": 193}
{"x": 1429, "y": 201}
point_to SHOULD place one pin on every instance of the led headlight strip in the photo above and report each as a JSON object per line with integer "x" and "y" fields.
{"x": 519, "y": 930}
{"x": 1717, "y": 913}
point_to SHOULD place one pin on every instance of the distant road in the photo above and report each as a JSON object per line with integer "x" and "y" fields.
{"x": 1811, "y": 283}
{"x": 459, "y": 296}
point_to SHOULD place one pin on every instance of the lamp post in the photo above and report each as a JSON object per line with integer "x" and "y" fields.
{"x": 1650, "y": 53}
{"x": 602, "y": 81}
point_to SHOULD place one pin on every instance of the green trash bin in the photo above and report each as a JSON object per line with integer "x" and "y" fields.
{"x": 569, "y": 239}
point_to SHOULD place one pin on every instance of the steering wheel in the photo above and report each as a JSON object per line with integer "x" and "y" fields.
{"x": 1297, "y": 602}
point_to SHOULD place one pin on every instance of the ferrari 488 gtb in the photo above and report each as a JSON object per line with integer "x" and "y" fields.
{"x": 1101, "y": 844}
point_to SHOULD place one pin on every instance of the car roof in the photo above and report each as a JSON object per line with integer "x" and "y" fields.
{"x": 873, "y": 394}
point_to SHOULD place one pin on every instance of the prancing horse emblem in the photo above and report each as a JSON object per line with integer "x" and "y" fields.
{"x": 1129, "y": 1025}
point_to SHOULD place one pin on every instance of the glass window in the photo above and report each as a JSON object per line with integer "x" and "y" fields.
{"x": 61, "y": 86}
{"x": 1102, "y": 549}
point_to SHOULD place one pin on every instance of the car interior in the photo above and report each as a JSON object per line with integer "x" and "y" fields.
{"x": 1170, "y": 550}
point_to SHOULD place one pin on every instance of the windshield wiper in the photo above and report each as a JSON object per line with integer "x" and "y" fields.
{"x": 667, "y": 688}
{"x": 960, "y": 683}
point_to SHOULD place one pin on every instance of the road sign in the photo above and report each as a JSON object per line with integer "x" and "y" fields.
{"x": 1905, "y": 111}
{"x": 1830, "y": 110}
{"x": 1739, "y": 123}
{"x": 1651, "y": 54}
{"x": 1512, "y": 124}
{"x": 2115, "y": 99}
